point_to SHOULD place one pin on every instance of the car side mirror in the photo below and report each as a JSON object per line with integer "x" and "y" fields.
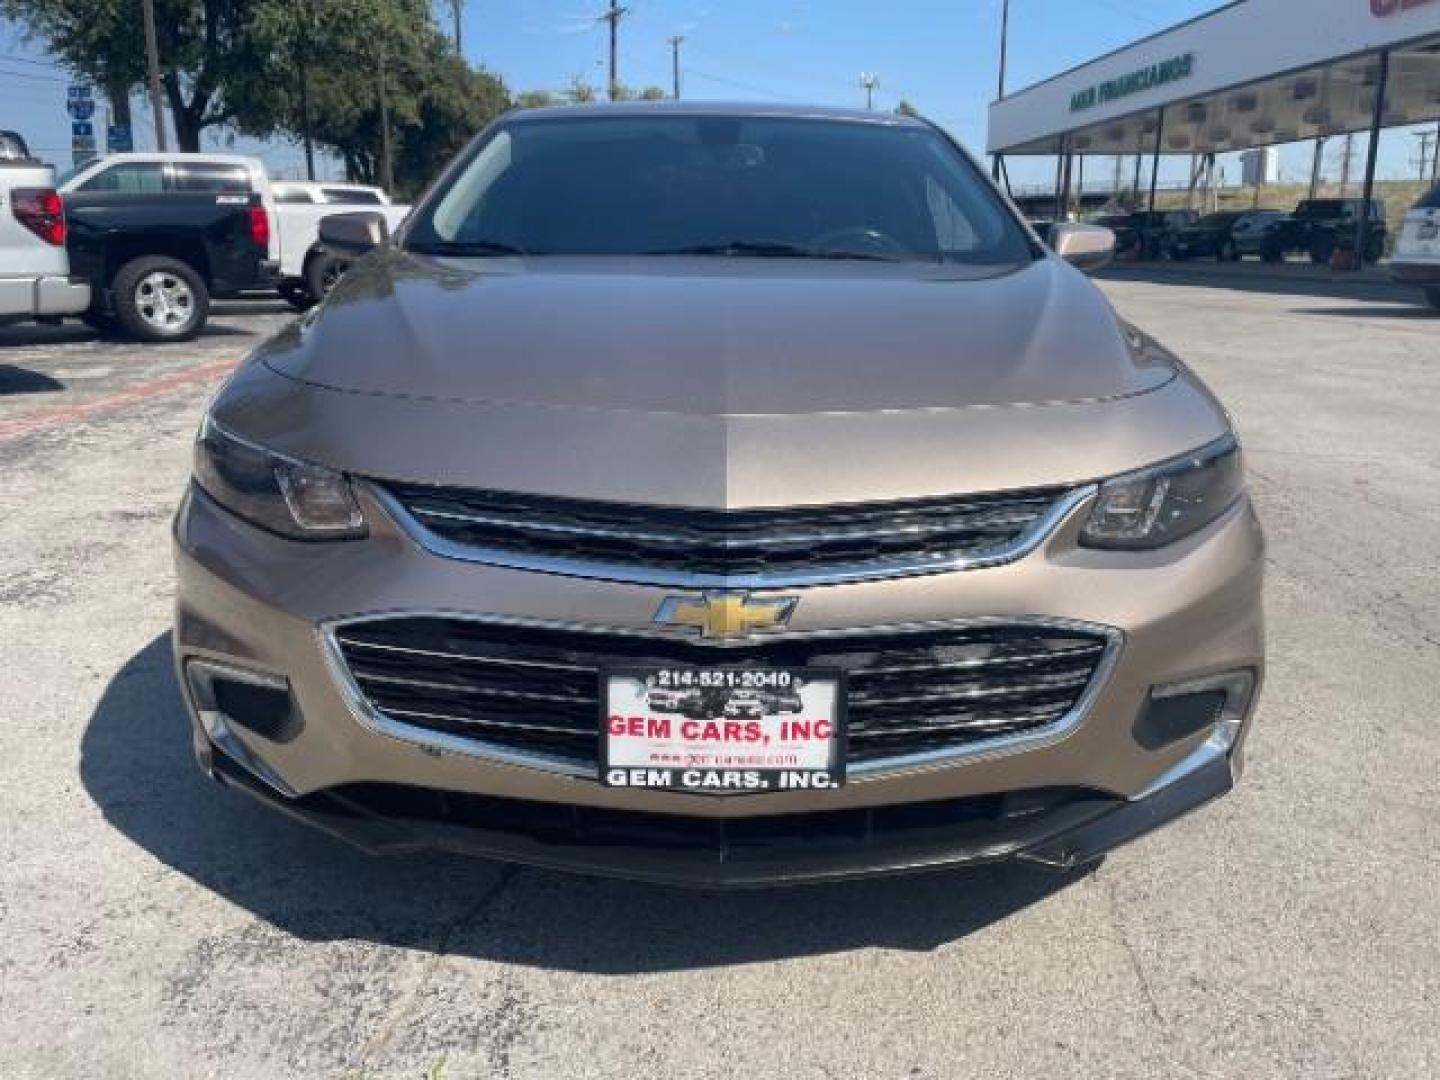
{"x": 353, "y": 234}
{"x": 1085, "y": 247}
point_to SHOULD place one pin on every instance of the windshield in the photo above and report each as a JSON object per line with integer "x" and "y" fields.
{"x": 1317, "y": 208}
{"x": 720, "y": 185}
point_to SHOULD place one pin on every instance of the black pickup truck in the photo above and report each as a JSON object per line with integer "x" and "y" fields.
{"x": 154, "y": 260}
{"x": 1319, "y": 226}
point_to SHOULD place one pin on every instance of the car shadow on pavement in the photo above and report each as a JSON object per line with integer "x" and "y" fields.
{"x": 1291, "y": 279}
{"x": 137, "y": 766}
{"x": 18, "y": 380}
{"x": 1388, "y": 311}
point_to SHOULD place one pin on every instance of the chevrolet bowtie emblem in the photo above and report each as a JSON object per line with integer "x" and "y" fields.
{"x": 721, "y": 614}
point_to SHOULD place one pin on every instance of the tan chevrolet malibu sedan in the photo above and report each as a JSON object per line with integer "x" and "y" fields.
{"x": 722, "y": 496}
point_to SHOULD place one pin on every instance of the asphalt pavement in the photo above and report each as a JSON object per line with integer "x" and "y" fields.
{"x": 155, "y": 925}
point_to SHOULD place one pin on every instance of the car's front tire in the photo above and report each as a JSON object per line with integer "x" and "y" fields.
{"x": 160, "y": 299}
{"x": 322, "y": 272}
{"x": 1228, "y": 252}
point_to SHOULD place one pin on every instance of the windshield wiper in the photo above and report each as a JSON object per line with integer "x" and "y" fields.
{"x": 772, "y": 249}
{"x": 468, "y": 247}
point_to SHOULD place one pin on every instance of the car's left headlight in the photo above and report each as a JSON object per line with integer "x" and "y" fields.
{"x": 1166, "y": 502}
{"x": 292, "y": 498}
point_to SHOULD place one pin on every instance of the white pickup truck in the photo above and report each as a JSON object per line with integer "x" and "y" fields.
{"x": 301, "y": 205}
{"x": 306, "y": 271}
{"x": 35, "y": 281}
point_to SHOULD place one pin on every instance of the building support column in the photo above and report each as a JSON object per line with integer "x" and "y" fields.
{"x": 1154, "y": 177}
{"x": 1362, "y": 228}
{"x": 1060, "y": 178}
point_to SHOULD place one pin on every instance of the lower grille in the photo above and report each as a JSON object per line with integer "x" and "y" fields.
{"x": 534, "y": 691}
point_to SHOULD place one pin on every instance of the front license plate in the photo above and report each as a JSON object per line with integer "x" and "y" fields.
{"x": 722, "y": 731}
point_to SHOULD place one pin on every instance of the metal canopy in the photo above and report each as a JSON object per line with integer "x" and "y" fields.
{"x": 1249, "y": 73}
{"x": 1331, "y": 99}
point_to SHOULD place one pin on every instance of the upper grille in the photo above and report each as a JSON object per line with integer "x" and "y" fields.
{"x": 535, "y": 690}
{"x": 747, "y": 548}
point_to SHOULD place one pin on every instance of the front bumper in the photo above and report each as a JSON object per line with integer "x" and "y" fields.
{"x": 43, "y": 296}
{"x": 258, "y": 603}
{"x": 703, "y": 853}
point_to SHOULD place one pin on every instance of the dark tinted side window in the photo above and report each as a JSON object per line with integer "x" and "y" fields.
{"x": 351, "y": 195}
{"x": 1430, "y": 201}
{"x": 129, "y": 178}
{"x": 294, "y": 197}
{"x": 211, "y": 178}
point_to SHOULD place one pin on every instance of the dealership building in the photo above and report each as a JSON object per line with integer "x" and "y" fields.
{"x": 1248, "y": 75}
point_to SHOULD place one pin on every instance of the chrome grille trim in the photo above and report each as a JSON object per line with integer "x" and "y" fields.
{"x": 1054, "y": 729}
{"x": 838, "y": 573}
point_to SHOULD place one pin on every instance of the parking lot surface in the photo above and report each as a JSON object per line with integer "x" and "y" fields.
{"x": 153, "y": 924}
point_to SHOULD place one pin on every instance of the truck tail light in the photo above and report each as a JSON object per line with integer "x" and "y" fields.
{"x": 259, "y": 227}
{"x": 41, "y": 211}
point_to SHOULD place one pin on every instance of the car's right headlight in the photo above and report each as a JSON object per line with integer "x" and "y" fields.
{"x": 292, "y": 498}
{"x": 1166, "y": 502}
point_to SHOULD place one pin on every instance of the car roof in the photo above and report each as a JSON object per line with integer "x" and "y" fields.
{"x": 205, "y": 158}
{"x": 596, "y": 110}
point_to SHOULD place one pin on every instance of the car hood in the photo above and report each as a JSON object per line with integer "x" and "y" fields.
{"x": 717, "y": 385}
{"x": 716, "y": 336}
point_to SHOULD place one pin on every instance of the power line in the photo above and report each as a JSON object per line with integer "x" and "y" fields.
{"x": 33, "y": 78}
{"x": 17, "y": 59}
{"x": 739, "y": 85}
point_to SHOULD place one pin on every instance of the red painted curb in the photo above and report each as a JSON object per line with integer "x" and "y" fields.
{"x": 51, "y": 419}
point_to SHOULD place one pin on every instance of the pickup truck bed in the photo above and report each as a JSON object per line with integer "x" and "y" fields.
{"x": 155, "y": 260}
{"x": 35, "y": 281}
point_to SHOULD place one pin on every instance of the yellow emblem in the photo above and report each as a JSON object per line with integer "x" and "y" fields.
{"x": 721, "y": 614}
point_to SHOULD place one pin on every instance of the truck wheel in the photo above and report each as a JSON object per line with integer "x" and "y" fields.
{"x": 1228, "y": 252}
{"x": 1375, "y": 249}
{"x": 1272, "y": 254}
{"x": 322, "y": 272}
{"x": 1433, "y": 295}
{"x": 160, "y": 299}
{"x": 295, "y": 293}
{"x": 1322, "y": 249}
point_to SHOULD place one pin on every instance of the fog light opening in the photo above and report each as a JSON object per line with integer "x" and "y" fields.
{"x": 263, "y": 702}
{"x": 1238, "y": 688}
{"x": 1217, "y": 703}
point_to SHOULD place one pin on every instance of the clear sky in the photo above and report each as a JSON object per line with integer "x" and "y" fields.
{"x": 941, "y": 55}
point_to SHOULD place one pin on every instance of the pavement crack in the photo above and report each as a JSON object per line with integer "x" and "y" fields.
{"x": 405, "y": 1007}
{"x": 1132, "y": 955}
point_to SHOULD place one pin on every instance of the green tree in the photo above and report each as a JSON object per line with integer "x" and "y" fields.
{"x": 535, "y": 99}
{"x": 906, "y": 109}
{"x": 580, "y": 92}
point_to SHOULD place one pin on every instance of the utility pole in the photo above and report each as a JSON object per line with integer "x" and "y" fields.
{"x": 1347, "y": 158}
{"x": 869, "y": 80}
{"x": 613, "y": 17}
{"x": 457, "y": 8}
{"x": 1004, "y": 60}
{"x": 152, "y": 67}
{"x": 675, "y": 43}
{"x": 1317, "y": 167}
{"x": 387, "y": 167}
